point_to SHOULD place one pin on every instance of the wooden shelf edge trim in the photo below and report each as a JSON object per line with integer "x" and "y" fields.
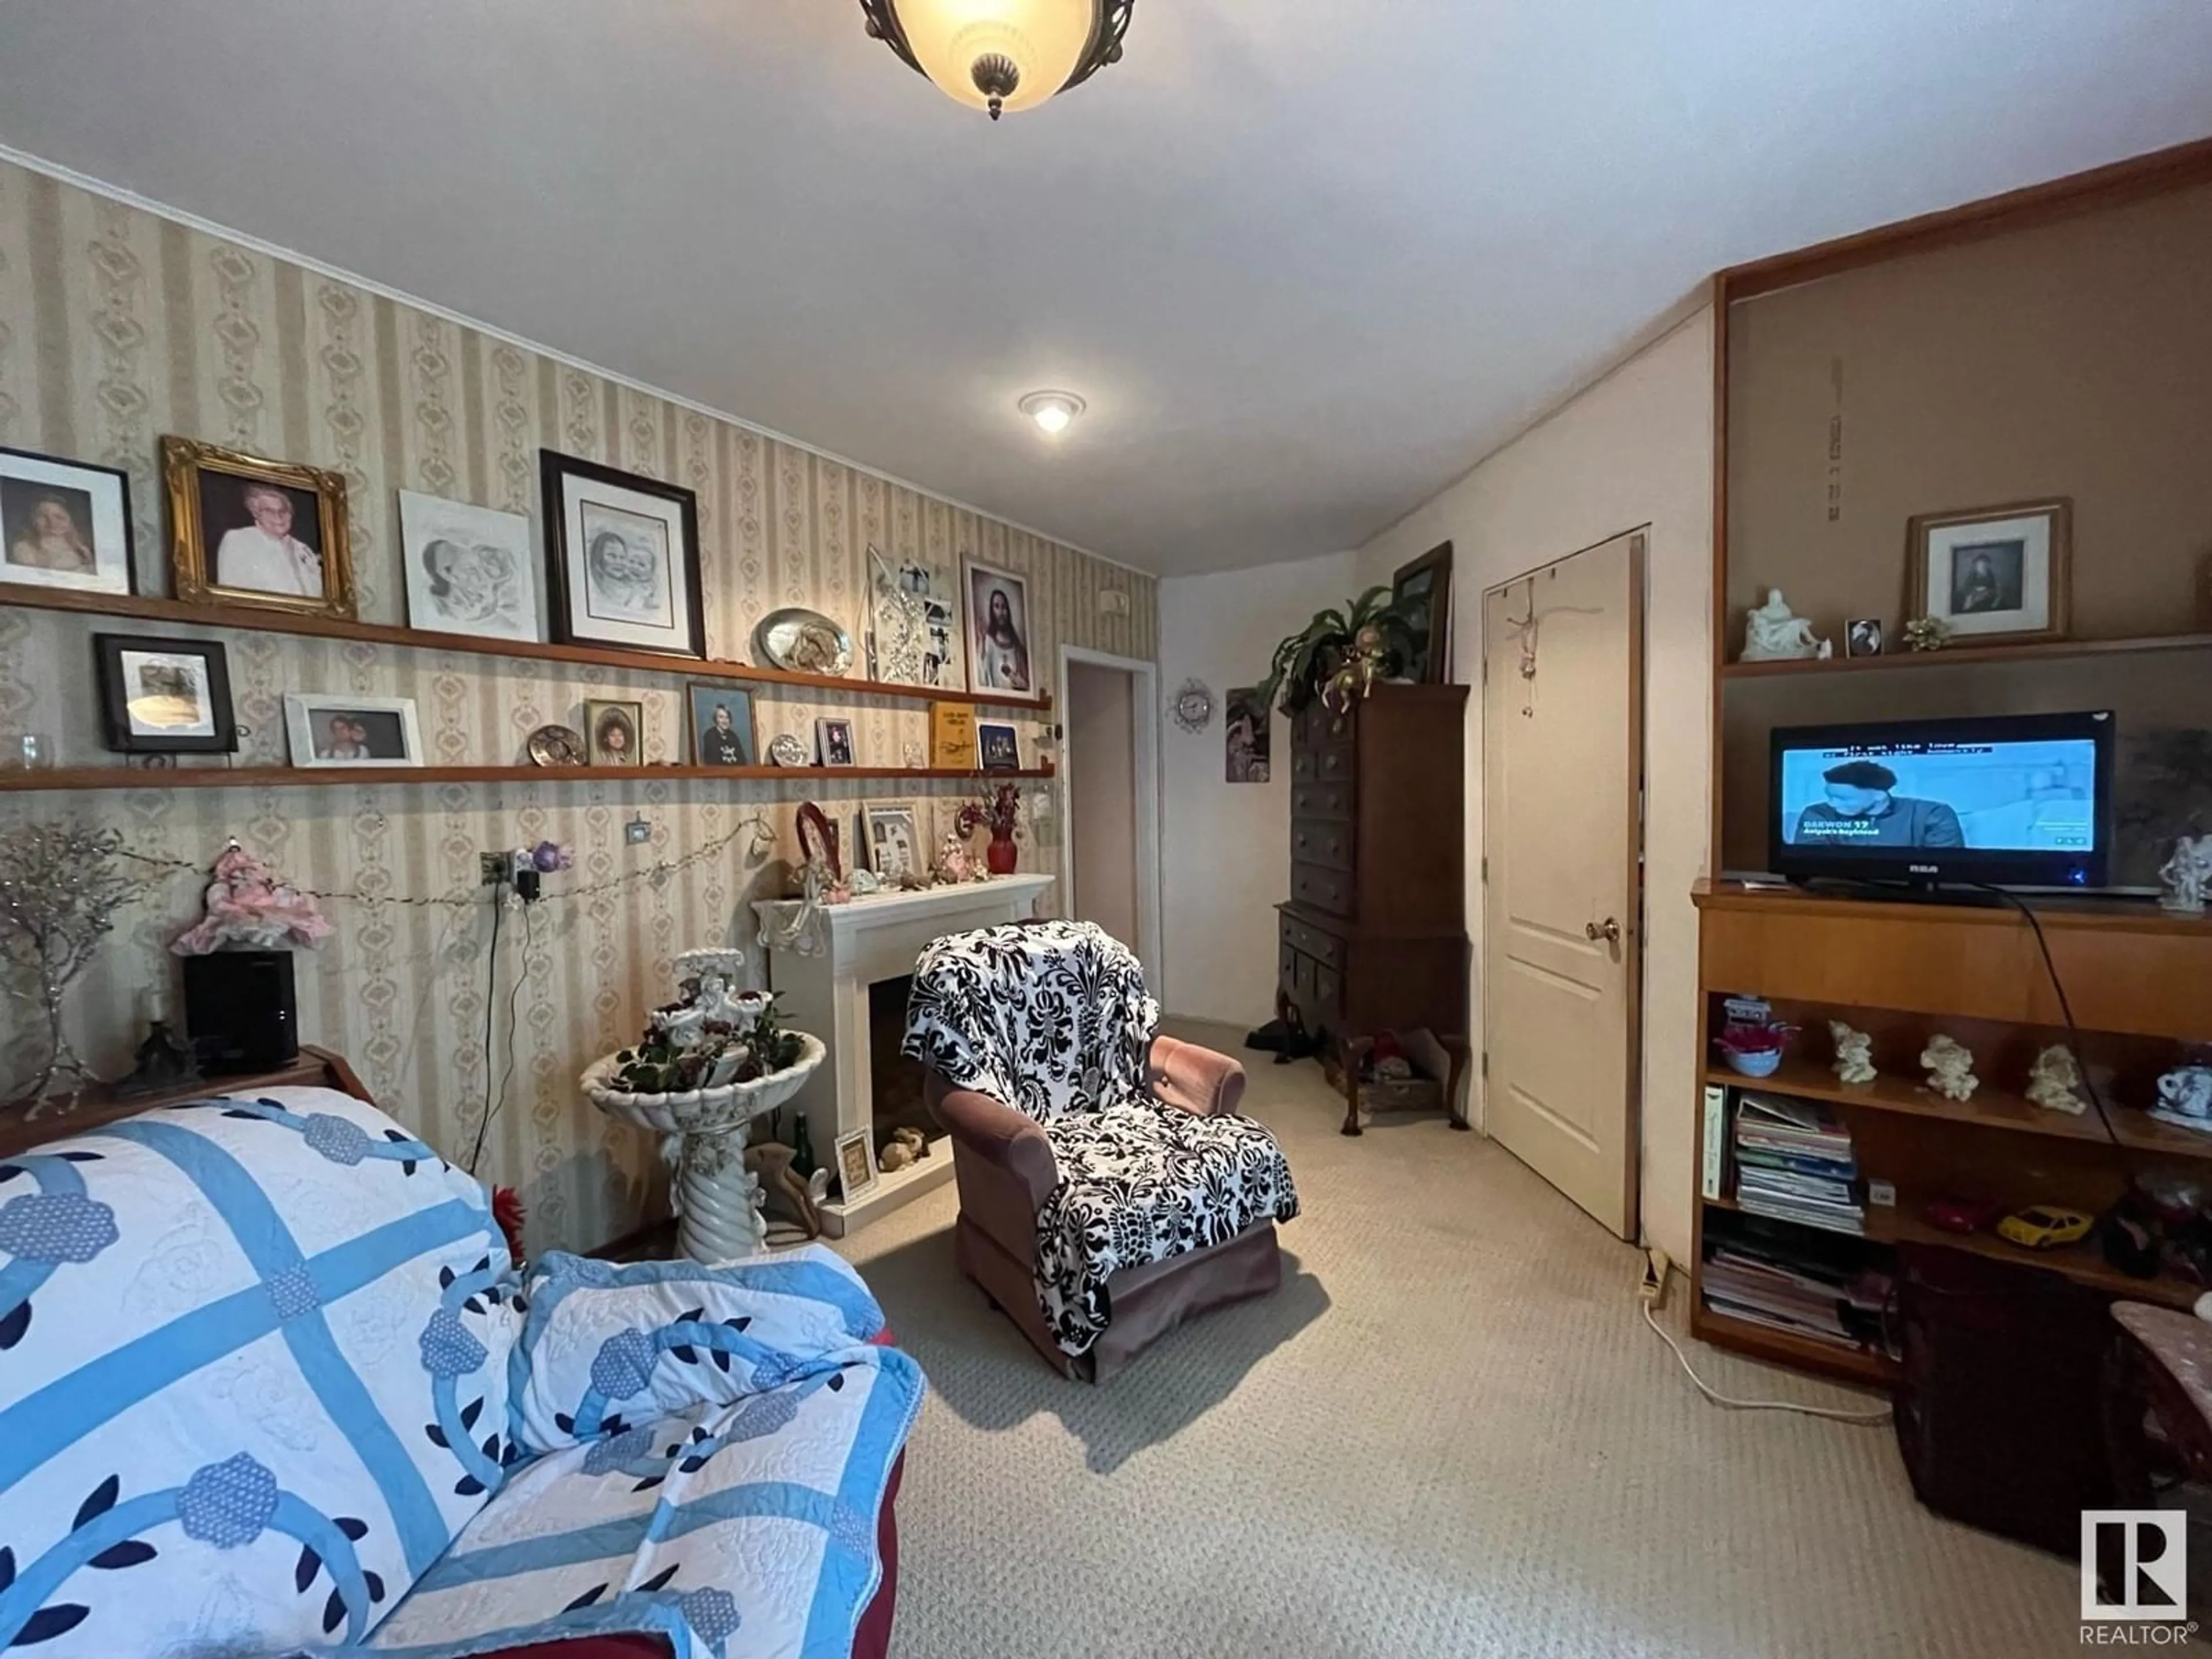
{"x": 148, "y": 609}
{"x": 1858, "y": 1365}
{"x": 316, "y": 777}
{"x": 1962, "y": 656}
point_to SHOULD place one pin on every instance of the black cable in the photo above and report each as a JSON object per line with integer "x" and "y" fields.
{"x": 2065, "y": 1006}
{"x": 491, "y": 1010}
{"x": 514, "y": 1004}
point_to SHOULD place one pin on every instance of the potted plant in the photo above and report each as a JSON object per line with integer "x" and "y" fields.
{"x": 1340, "y": 653}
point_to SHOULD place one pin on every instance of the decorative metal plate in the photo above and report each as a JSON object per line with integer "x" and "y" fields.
{"x": 803, "y": 641}
{"x": 788, "y": 749}
{"x": 556, "y": 745}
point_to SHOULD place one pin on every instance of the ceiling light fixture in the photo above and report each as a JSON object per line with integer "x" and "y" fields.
{"x": 1052, "y": 410}
{"x": 998, "y": 55}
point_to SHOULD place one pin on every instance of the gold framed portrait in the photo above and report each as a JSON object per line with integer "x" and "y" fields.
{"x": 244, "y": 530}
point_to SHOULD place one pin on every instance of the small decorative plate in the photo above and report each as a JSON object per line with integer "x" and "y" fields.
{"x": 788, "y": 749}
{"x": 1193, "y": 707}
{"x": 556, "y": 745}
{"x": 803, "y": 641}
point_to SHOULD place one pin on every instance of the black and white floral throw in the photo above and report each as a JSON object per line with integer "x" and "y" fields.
{"x": 1055, "y": 1021}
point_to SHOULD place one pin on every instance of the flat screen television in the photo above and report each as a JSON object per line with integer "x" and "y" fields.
{"x": 2009, "y": 800}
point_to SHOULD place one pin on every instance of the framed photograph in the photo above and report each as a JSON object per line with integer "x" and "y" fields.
{"x": 623, "y": 553}
{"x": 999, "y": 631}
{"x": 999, "y": 748}
{"x": 1249, "y": 733}
{"x": 833, "y": 742}
{"x": 64, "y": 523}
{"x": 1993, "y": 570}
{"x": 164, "y": 696}
{"x": 722, "y": 724}
{"x": 894, "y": 840}
{"x": 856, "y": 1163}
{"x": 468, "y": 568}
{"x": 328, "y": 730}
{"x": 1422, "y": 591}
{"x": 1863, "y": 637}
{"x": 246, "y": 531}
{"x": 914, "y": 630}
{"x": 615, "y": 732}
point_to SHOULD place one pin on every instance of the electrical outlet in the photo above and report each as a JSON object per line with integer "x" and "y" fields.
{"x": 637, "y": 832}
{"x": 492, "y": 868}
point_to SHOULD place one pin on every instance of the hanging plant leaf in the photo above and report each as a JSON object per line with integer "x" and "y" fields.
{"x": 334, "y": 1611}
{"x": 15, "y": 1323}
{"x": 128, "y": 1553}
{"x": 586, "y": 1599}
{"x": 101, "y": 1500}
{"x": 660, "y": 1580}
{"x": 311, "y": 1564}
{"x": 471, "y": 1411}
{"x": 352, "y": 1528}
{"x": 47, "y": 1623}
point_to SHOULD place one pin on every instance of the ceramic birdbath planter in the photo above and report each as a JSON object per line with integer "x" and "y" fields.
{"x": 702, "y": 1134}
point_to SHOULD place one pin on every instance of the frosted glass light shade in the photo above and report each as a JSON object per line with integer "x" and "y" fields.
{"x": 1044, "y": 40}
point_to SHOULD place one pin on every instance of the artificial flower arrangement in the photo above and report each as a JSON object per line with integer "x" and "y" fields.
{"x": 709, "y": 1038}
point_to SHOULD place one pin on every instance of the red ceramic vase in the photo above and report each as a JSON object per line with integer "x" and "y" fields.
{"x": 1000, "y": 853}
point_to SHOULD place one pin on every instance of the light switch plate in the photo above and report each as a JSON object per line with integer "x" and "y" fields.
{"x": 637, "y": 832}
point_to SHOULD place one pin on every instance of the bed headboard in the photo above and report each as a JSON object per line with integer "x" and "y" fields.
{"x": 315, "y": 1067}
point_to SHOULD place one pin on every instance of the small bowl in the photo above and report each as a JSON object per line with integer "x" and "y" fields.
{"x": 1753, "y": 1062}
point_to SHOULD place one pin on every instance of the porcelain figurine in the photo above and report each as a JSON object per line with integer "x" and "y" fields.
{"x": 1774, "y": 633}
{"x": 955, "y": 864}
{"x": 1950, "y": 1068}
{"x": 2187, "y": 876}
{"x": 2055, "y": 1081}
{"x": 2184, "y": 1096}
{"x": 1854, "y": 1053}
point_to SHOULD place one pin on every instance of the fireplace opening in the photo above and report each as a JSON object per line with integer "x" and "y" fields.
{"x": 897, "y": 1102}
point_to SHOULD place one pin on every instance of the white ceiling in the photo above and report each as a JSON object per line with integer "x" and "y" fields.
{"x": 1308, "y": 259}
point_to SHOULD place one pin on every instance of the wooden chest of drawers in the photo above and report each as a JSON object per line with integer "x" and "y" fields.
{"x": 1374, "y": 934}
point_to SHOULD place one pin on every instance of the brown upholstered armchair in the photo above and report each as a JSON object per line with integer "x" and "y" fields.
{"x": 1010, "y": 1173}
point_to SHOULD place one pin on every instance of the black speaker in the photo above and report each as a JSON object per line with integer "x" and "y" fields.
{"x": 240, "y": 1011}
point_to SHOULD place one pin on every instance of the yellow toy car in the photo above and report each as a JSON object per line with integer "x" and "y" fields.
{"x": 2043, "y": 1227}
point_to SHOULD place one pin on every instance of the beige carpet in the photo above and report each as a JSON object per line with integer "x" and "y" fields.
{"x": 1449, "y": 1434}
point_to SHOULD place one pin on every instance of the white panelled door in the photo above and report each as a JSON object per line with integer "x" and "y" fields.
{"x": 1562, "y": 843}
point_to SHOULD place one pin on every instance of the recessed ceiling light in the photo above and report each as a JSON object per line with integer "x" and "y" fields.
{"x": 1052, "y": 410}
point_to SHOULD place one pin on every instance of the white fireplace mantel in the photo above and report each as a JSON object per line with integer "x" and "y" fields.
{"x": 868, "y": 940}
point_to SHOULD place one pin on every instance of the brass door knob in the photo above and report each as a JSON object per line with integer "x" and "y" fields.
{"x": 1608, "y": 930}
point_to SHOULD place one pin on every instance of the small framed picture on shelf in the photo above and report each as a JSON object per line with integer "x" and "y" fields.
{"x": 622, "y": 554}
{"x": 833, "y": 741}
{"x": 1862, "y": 636}
{"x": 1993, "y": 571}
{"x": 329, "y": 730}
{"x": 616, "y": 733}
{"x": 164, "y": 696}
{"x": 894, "y": 840}
{"x": 248, "y": 531}
{"x": 999, "y": 748}
{"x": 999, "y": 631}
{"x": 64, "y": 523}
{"x": 856, "y": 1164}
{"x": 722, "y": 724}
{"x": 468, "y": 568}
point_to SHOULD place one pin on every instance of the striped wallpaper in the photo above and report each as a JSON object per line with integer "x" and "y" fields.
{"x": 116, "y": 326}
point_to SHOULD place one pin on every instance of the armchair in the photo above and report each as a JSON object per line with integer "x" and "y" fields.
{"x": 1108, "y": 1188}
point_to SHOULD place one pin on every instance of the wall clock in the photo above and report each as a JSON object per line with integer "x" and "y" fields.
{"x": 1193, "y": 707}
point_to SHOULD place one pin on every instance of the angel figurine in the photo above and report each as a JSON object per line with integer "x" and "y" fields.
{"x": 2055, "y": 1081}
{"x": 1854, "y": 1053}
{"x": 1950, "y": 1068}
{"x": 1774, "y": 633}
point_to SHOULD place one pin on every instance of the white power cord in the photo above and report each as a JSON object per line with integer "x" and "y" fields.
{"x": 1654, "y": 1288}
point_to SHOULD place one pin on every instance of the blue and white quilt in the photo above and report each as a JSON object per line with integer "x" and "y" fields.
{"x": 252, "y": 1378}
{"x": 268, "y": 1385}
{"x": 717, "y": 1444}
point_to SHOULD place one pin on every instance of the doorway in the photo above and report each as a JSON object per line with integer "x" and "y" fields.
{"x": 1110, "y": 748}
{"x": 1562, "y": 863}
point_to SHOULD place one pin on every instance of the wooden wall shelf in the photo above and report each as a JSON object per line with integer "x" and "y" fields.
{"x": 312, "y": 777}
{"x": 144, "y": 608}
{"x": 1965, "y": 655}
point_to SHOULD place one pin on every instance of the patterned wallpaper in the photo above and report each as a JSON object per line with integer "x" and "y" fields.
{"x": 116, "y": 326}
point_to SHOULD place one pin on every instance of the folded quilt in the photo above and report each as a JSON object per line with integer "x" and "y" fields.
{"x": 722, "y": 1441}
{"x": 1140, "y": 1183}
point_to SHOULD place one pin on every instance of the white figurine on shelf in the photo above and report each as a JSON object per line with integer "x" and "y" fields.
{"x": 1774, "y": 633}
{"x": 2055, "y": 1081}
{"x": 2187, "y": 876}
{"x": 1950, "y": 1068}
{"x": 1854, "y": 1053}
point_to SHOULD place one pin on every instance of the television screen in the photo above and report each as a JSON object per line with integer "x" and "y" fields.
{"x": 2017, "y": 799}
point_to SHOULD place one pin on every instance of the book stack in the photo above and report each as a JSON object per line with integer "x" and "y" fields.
{"x": 1794, "y": 1163}
{"x": 1766, "y": 1279}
